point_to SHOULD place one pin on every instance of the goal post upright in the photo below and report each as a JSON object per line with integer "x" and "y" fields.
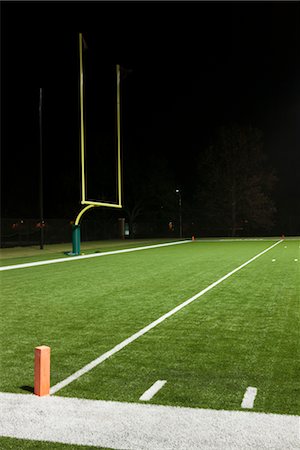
{"x": 118, "y": 68}
{"x": 88, "y": 204}
{"x": 82, "y": 134}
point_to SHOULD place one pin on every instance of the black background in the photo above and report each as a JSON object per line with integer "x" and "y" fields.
{"x": 195, "y": 66}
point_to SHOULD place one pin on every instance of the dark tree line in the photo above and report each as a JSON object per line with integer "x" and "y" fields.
{"x": 149, "y": 191}
{"x": 232, "y": 190}
{"x": 235, "y": 184}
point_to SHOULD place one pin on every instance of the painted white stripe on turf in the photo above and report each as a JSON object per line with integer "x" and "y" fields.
{"x": 140, "y": 426}
{"x": 147, "y": 395}
{"x": 57, "y": 387}
{"x": 249, "y": 397}
{"x": 92, "y": 255}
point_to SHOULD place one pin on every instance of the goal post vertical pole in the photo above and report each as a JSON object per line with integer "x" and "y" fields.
{"x": 76, "y": 227}
{"x": 76, "y": 239}
{"x": 119, "y": 134}
{"x": 82, "y": 136}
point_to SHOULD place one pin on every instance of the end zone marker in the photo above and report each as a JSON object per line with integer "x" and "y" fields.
{"x": 42, "y": 370}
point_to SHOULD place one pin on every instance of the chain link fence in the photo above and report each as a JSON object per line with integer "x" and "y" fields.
{"x": 26, "y": 232}
{"x": 19, "y": 232}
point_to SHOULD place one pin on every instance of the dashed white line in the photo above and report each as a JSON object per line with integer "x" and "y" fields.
{"x": 147, "y": 395}
{"x": 249, "y": 397}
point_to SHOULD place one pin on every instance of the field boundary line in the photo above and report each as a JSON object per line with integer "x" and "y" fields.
{"x": 92, "y": 255}
{"x": 57, "y": 387}
{"x": 138, "y": 426}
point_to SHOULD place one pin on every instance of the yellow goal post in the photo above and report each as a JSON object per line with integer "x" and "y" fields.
{"x": 88, "y": 204}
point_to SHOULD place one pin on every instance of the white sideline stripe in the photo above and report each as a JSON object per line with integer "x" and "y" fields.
{"x": 147, "y": 395}
{"x": 92, "y": 255}
{"x": 57, "y": 387}
{"x": 249, "y": 397}
{"x": 138, "y": 426}
{"x": 243, "y": 239}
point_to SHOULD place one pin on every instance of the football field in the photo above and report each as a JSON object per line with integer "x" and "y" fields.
{"x": 205, "y": 324}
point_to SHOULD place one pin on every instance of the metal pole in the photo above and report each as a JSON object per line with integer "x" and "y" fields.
{"x": 180, "y": 216}
{"x": 180, "y": 212}
{"x": 82, "y": 138}
{"x": 118, "y": 68}
{"x": 41, "y": 172}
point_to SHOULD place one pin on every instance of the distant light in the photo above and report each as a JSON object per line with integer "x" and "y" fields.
{"x": 177, "y": 190}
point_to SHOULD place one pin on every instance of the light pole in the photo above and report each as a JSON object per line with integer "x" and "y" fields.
{"x": 180, "y": 212}
{"x": 41, "y": 170}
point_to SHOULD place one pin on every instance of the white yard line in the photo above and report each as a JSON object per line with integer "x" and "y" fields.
{"x": 149, "y": 327}
{"x": 136, "y": 426}
{"x": 249, "y": 397}
{"x": 147, "y": 395}
{"x": 92, "y": 255}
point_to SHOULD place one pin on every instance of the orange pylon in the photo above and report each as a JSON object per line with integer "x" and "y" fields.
{"x": 42, "y": 370}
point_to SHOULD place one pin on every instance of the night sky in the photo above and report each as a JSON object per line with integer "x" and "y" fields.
{"x": 194, "y": 67}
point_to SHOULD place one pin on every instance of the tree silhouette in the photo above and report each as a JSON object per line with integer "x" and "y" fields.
{"x": 149, "y": 191}
{"x": 236, "y": 184}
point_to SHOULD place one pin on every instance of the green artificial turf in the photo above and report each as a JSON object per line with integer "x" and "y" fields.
{"x": 21, "y": 255}
{"x": 244, "y": 332}
{"x": 20, "y": 444}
